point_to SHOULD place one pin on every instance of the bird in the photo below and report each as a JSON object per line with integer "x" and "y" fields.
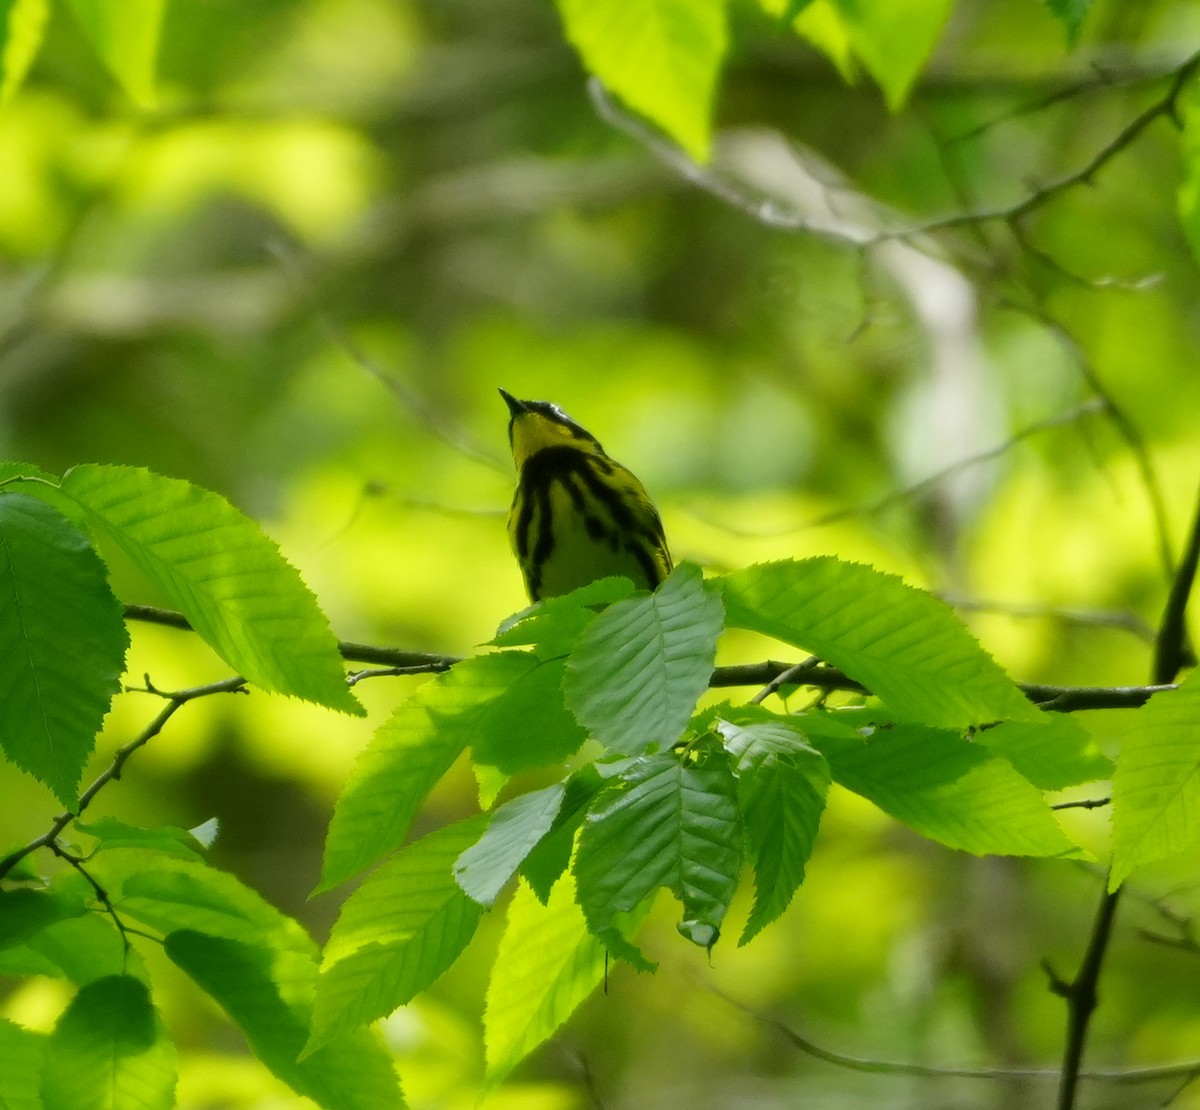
{"x": 577, "y": 515}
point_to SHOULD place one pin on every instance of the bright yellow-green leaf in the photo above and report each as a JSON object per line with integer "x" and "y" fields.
{"x": 124, "y": 35}
{"x": 661, "y": 57}
{"x": 548, "y": 963}
{"x": 1156, "y": 788}
{"x": 22, "y": 23}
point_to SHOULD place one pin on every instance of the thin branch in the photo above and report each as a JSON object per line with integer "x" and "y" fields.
{"x": 175, "y": 702}
{"x": 1093, "y": 618}
{"x": 1081, "y": 997}
{"x": 1098, "y": 80}
{"x": 1064, "y": 699}
{"x": 1084, "y": 175}
{"x": 1088, "y": 408}
{"x": 1084, "y": 803}
{"x": 1154, "y": 1073}
{"x": 417, "y": 406}
{"x": 1123, "y": 423}
{"x": 791, "y": 675}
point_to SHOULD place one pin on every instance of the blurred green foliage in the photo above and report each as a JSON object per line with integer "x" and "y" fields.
{"x": 298, "y": 278}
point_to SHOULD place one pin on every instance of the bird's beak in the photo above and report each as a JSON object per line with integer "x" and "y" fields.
{"x": 514, "y": 406}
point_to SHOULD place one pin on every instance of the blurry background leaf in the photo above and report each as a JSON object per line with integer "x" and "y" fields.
{"x": 124, "y": 33}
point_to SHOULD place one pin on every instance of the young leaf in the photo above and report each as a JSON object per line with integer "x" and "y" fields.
{"x": 109, "y": 1050}
{"x": 904, "y": 645}
{"x": 659, "y": 56}
{"x": 513, "y": 832}
{"x": 1156, "y": 788}
{"x": 893, "y": 40}
{"x": 497, "y": 702}
{"x": 663, "y": 823}
{"x": 124, "y": 35}
{"x": 21, "y": 1062}
{"x": 941, "y": 786}
{"x": 1053, "y": 753}
{"x": 23, "y": 26}
{"x": 547, "y": 964}
{"x": 396, "y": 934}
{"x": 781, "y": 783}
{"x": 227, "y": 578}
{"x": 634, "y": 678}
{"x": 110, "y": 833}
{"x": 268, "y": 995}
{"x": 62, "y": 639}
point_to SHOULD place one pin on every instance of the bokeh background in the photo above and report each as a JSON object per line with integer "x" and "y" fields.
{"x": 299, "y": 279}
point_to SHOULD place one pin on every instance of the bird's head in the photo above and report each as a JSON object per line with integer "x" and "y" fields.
{"x": 536, "y": 425}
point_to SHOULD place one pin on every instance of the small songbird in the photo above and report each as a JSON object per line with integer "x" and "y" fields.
{"x": 577, "y": 515}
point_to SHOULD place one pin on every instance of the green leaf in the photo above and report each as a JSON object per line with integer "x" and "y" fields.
{"x": 109, "y": 1052}
{"x": 638, "y": 670}
{"x": 21, "y": 1061}
{"x": 527, "y": 725}
{"x": 113, "y": 833}
{"x": 227, "y": 578}
{"x": 782, "y": 783}
{"x": 513, "y": 832}
{"x": 659, "y": 56}
{"x": 902, "y": 644}
{"x": 663, "y": 823}
{"x": 62, "y": 639}
{"x": 176, "y": 894}
{"x": 1053, "y": 753}
{"x": 396, "y": 934}
{"x": 543, "y": 867}
{"x": 941, "y": 786}
{"x": 1156, "y": 788}
{"x": 506, "y": 704}
{"x": 893, "y": 40}
{"x": 1071, "y": 13}
{"x": 124, "y": 34}
{"x": 84, "y": 949}
{"x": 547, "y": 964}
{"x": 24, "y": 24}
{"x": 268, "y": 995}
{"x": 553, "y": 625}
{"x": 26, "y": 912}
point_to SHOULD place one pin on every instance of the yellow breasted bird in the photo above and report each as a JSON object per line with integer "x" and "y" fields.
{"x": 577, "y": 515}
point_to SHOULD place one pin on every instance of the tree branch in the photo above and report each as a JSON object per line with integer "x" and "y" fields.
{"x": 1061, "y": 699}
{"x": 1170, "y": 655}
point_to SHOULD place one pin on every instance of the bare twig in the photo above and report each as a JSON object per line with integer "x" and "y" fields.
{"x": 417, "y": 406}
{"x": 175, "y": 702}
{"x": 1088, "y": 408}
{"x": 1124, "y": 425}
{"x": 1084, "y": 803}
{"x": 1182, "y": 1070}
{"x": 1084, "y": 175}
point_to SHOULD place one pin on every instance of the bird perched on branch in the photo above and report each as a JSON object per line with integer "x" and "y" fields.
{"x": 577, "y": 515}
